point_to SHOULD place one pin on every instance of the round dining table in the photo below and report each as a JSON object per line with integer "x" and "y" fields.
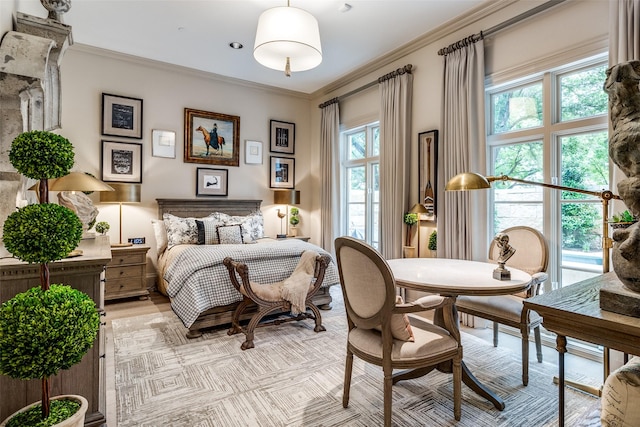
{"x": 453, "y": 277}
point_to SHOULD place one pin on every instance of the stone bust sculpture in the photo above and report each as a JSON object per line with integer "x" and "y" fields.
{"x": 506, "y": 250}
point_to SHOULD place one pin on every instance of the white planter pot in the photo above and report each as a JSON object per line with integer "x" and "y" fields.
{"x": 77, "y": 420}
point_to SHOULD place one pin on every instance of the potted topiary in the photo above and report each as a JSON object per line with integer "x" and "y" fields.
{"x": 410, "y": 219}
{"x": 51, "y": 327}
{"x": 294, "y": 220}
{"x": 433, "y": 242}
{"x": 622, "y": 219}
{"x": 102, "y": 227}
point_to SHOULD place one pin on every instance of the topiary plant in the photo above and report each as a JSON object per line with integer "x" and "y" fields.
{"x": 294, "y": 218}
{"x": 410, "y": 219}
{"x": 102, "y": 227}
{"x": 433, "y": 241}
{"x": 49, "y": 328}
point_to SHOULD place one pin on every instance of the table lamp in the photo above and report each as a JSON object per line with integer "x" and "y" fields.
{"x": 124, "y": 193}
{"x": 285, "y": 197}
{"x": 419, "y": 209}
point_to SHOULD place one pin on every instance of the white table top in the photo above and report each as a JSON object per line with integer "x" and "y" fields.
{"x": 455, "y": 277}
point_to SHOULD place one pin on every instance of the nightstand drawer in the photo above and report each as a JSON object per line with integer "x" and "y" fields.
{"x": 124, "y": 272}
{"x": 118, "y": 286}
{"x": 128, "y": 258}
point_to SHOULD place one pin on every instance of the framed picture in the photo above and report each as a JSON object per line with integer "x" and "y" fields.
{"x": 211, "y": 182}
{"x": 283, "y": 137}
{"x": 253, "y": 152}
{"x": 428, "y": 169}
{"x": 211, "y": 138}
{"x": 121, "y": 162}
{"x": 163, "y": 143}
{"x": 282, "y": 172}
{"x": 121, "y": 116}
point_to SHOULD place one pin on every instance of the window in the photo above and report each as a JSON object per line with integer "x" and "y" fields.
{"x": 553, "y": 128}
{"x": 360, "y": 169}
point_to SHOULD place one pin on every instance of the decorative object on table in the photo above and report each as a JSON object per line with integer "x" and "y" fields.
{"x": 163, "y": 143}
{"x": 253, "y": 152}
{"x": 428, "y": 169}
{"x": 294, "y": 220}
{"x": 102, "y": 227}
{"x": 50, "y": 327}
{"x": 419, "y": 209}
{"x": 56, "y": 8}
{"x": 287, "y": 39}
{"x": 121, "y": 162}
{"x": 506, "y": 252}
{"x": 622, "y": 219}
{"x": 124, "y": 193}
{"x": 410, "y": 219}
{"x": 121, "y": 116}
{"x": 283, "y": 137}
{"x": 211, "y": 138}
{"x": 282, "y": 172}
{"x": 212, "y": 182}
{"x": 287, "y": 198}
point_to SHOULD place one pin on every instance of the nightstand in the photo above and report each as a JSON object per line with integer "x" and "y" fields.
{"x": 127, "y": 273}
{"x": 303, "y": 238}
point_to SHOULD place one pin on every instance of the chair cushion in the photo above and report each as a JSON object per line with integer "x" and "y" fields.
{"x": 400, "y": 325}
{"x": 503, "y": 306}
{"x": 430, "y": 340}
{"x": 620, "y": 396}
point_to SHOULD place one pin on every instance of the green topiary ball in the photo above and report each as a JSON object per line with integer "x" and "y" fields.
{"x": 42, "y": 332}
{"x": 42, "y": 233}
{"x": 41, "y": 155}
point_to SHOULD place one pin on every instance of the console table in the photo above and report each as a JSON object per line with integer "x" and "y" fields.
{"x": 87, "y": 377}
{"x": 574, "y": 311}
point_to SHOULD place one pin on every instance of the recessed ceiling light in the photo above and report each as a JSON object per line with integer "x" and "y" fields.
{"x": 236, "y": 45}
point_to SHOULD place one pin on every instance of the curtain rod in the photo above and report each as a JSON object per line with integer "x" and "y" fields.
{"x": 486, "y": 33}
{"x": 402, "y": 70}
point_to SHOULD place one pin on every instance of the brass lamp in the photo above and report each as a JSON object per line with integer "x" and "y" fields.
{"x": 418, "y": 209}
{"x": 285, "y": 197}
{"x": 124, "y": 193}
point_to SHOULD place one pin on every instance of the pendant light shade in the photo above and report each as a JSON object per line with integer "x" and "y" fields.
{"x": 288, "y": 39}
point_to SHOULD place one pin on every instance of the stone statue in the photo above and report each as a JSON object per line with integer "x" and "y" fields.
{"x": 622, "y": 86}
{"x": 506, "y": 252}
{"x": 56, "y": 8}
{"x": 81, "y": 204}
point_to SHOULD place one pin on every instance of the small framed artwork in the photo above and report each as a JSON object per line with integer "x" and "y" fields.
{"x": 283, "y": 137}
{"x": 253, "y": 152}
{"x": 121, "y": 116}
{"x": 211, "y": 182}
{"x": 211, "y": 138}
{"x": 121, "y": 162}
{"x": 282, "y": 172}
{"x": 163, "y": 143}
{"x": 428, "y": 169}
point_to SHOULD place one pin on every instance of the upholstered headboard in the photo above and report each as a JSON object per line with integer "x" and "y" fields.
{"x": 203, "y": 207}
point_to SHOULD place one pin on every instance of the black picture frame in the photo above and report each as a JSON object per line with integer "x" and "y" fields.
{"x": 121, "y": 162}
{"x": 212, "y": 182}
{"x": 283, "y": 137}
{"x": 283, "y": 172}
{"x": 428, "y": 170}
{"x": 121, "y": 116}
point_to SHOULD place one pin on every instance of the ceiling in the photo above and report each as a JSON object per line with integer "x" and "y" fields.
{"x": 197, "y": 33}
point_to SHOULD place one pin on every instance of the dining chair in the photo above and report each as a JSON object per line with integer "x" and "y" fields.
{"x": 532, "y": 256}
{"x": 379, "y": 328}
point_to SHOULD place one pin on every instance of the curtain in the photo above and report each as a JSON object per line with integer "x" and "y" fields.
{"x": 395, "y": 149}
{"x": 329, "y": 172}
{"x": 624, "y": 45}
{"x": 462, "y": 225}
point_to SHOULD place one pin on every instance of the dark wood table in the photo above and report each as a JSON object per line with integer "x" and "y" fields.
{"x": 574, "y": 311}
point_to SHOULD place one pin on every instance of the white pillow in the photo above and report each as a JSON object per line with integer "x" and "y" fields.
{"x": 252, "y": 225}
{"x": 160, "y": 233}
{"x": 181, "y": 231}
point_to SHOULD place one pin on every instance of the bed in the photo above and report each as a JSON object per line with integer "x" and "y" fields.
{"x": 191, "y": 273}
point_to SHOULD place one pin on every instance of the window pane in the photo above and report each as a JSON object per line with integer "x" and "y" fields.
{"x": 582, "y": 236}
{"x": 511, "y": 214}
{"x": 581, "y": 94}
{"x": 356, "y": 218}
{"x": 356, "y": 198}
{"x": 517, "y": 109}
{"x": 375, "y": 176}
{"x": 585, "y": 163}
{"x": 376, "y": 141}
{"x": 357, "y": 145}
{"x": 523, "y": 161}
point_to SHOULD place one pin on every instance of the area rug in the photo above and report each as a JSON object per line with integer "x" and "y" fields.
{"x": 294, "y": 377}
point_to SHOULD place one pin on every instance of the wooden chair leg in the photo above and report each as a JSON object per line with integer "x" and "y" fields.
{"x": 525, "y": 355}
{"x": 235, "y": 319}
{"x": 348, "y": 367}
{"x": 538, "y": 339}
{"x": 253, "y": 323}
{"x": 457, "y": 389}
{"x": 495, "y": 334}
{"x": 388, "y": 384}
{"x": 318, "y": 317}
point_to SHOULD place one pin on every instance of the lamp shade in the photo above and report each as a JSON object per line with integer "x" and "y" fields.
{"x": 419, "y": 209}
{"x": 124, "y": 193}
{"x": 287, "y": 38}
{"x": 467, "y": 181}
{"x": 78, "y": 181}
{"x": 286, "y": 197}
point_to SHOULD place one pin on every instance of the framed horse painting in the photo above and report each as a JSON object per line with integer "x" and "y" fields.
{"x": 211, "y": 138}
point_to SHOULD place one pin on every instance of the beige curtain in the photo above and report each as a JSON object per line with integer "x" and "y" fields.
{"x": 329, "y": 171}
{"x": 395, "y": 138}
{"x": 624, "y": 45}
{"x": 462, "y": 224}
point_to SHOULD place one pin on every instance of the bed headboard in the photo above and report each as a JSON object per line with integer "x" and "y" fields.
{"x": 203, "y": 207}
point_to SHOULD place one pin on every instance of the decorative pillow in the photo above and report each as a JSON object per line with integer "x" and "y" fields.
{"x": 252, "y": 225}
{"x": 160, "y": 233}
{"x": 400, "y": 326}
{"x": 208, "y": 231}
{"x": 230, "y": 234}
{"x": 180, "y": 231}
{"x": 620, "y": 396}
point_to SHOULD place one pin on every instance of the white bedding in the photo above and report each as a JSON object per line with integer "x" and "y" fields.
{"x": 195, "y": 279}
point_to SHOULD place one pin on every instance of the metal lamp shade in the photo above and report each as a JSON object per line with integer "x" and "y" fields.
{"x": 286, "y": 197}
{"x": 123, "y": 193}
